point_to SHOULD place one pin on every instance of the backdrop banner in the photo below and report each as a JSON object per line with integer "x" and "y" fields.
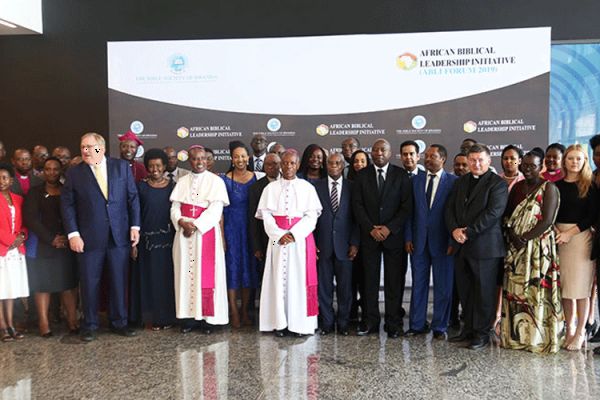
{"x": 441, "y": 87}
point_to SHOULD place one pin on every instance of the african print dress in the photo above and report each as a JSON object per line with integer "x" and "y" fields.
{"x": 532, "y": 315}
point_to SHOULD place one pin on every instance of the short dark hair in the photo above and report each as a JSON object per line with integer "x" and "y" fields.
{"x": 442, "y": 150}
{"x": 556, "y": 146}
{"x": 409, "y": 143}
{"x": 595, "y": 141}
{"x": 155, "y": 154}
{"x": 52, "y": 158}
{"x": 459, "y": 155}
{"x": 8, "y": 168}
{"x": 479, "y": 148}
{"x": 469, "y": 140}
{"x": 209, "y": 150}
{"x": 537, "y": 151}
{"x": 512, "y": 147}
{"x": 353, "y": 138}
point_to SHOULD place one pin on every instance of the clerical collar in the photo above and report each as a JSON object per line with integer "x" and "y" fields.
{"x": 198, "y": 173}
{"x": 24, "y": 176}
{"x": 555, "y": 172}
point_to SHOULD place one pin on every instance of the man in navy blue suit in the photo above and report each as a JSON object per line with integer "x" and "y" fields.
{"x": 337, "y": 239}
{"x": 101, "y": 214}
{"x": 429, "y": 244}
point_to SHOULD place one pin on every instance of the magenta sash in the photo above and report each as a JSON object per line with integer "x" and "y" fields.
{"x": 207, "y": 264}
{"x": 312, "y": 299}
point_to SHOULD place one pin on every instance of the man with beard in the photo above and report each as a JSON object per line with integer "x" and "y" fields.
{"x": 128, "y": 149}
{"x": 173, "y": 171}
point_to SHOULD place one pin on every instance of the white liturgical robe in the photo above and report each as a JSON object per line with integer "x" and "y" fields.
{"x": 283, "y": 299}
{"x": 195, "y": 193}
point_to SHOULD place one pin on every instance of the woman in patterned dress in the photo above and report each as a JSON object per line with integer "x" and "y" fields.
{"x": 532, "y": 317}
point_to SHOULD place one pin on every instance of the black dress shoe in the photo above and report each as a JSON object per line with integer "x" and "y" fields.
{"x": 343, "y": 331}
{"x": 325, "y": 331}
{"x": 440, "y": 335}
{"x": 124, "y": 331}
{"x": 595, "y": 338}
{"x": 206, "y": 328}
{"x": 597, "y": 351}
{"x": 416, "y": 332}
{"x": 462, "y": 337}
{"x": 364, "y": 330}
{"x": 87, "y": 336}
{"x": 393, "y": 334}
{"x": 479, "y": 342}
{"x": 280, "y": 332}
{"x": 185, "y": 329}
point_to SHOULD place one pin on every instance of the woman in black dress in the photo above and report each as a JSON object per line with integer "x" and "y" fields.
{"x": 154, "y": 282}
{"x": 52, "y": 266}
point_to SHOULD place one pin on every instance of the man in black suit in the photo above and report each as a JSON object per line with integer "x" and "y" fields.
{"x": 337, "y": 239}
{"x": 259, "y": 152}
{"x": 473, "y": 217}
{"x": 382, "y": 202}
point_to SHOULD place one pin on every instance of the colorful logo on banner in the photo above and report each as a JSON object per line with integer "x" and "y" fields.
{"x": 182, "y": 155}
{"x": 419, "y": 122}
{"x": 406, "y": 61}
{"x": 177, "y": 63}
{"x": 139, "y": 152}
{"x": 470, "y": 126}
{"x": 137, "y": 127}
{"x": 183, "y": 132}
{"x": 322, "y": 130}
{"x": 273, "y": 124}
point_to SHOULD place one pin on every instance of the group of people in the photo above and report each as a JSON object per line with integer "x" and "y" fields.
{"x": 157, "y": 245}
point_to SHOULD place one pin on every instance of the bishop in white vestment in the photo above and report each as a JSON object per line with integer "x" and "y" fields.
{"x": 289, "y": 208}
{"x": 199, "y": 260}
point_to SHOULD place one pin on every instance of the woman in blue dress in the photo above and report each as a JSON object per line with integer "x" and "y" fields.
{"x": 241, "y": 265}
{"x": 153, "y": 282}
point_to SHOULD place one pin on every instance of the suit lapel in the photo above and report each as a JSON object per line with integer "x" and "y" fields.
{"x": 441, "y": 186}
{"x": 389, "y": 181}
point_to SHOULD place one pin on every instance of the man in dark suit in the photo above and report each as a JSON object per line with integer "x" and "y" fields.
{"x": 337, "y": 239}
{"x": 429, "y": 243}
{"x": 474, "y": 217}
{"x": 259, "y": 152}
{"x": 101, "y": 214}
{"x": 382, "y": 202}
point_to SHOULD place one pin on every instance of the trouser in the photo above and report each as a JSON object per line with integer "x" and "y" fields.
{"x": 328, "y": 268}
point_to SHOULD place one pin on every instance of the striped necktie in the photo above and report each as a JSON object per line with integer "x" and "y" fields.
{"x": 335, "y": 204}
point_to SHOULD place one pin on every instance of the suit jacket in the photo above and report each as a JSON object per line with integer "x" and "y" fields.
{"x": 251, "y": 163}
{"x": 335, "y": 232}
{"x": 427, "y": 227}
{"x": 7, "y": 234}
{"x": 392, "y": 209}
{"x": 481, "y": 213}
{"x": 84, "y": 208}
{"x": 256, "y": 228}
{"x": 179, "y": 172}
{"x": 33, "y": 181}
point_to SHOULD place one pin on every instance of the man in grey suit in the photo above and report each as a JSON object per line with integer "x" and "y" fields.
{"x": 474, "y": 217}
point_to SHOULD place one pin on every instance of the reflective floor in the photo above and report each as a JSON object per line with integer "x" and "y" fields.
{"x": 246, "y": 364}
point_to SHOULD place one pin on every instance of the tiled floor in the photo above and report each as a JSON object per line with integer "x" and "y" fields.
{"x": 246, "y": 364}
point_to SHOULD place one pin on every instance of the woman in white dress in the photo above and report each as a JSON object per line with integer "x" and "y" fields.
{"x": 13, "y": 270}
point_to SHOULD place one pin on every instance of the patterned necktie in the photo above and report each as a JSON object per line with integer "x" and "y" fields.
{"x": 380, "y": 180}
{"x": 258, "y": 165}
{"x": 101, "y": 179}
{"x": 171, "y": 175}
{"x": 335, "y": 204}
{"x": 429, "y": 190}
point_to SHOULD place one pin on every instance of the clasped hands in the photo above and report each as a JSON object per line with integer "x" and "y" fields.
{"x": 286, "y": 239}
{"x": 379, "y": 233}
{"x": 188, "y": 227}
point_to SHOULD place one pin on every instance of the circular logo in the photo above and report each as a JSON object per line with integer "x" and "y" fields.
{"x": 419, "y": 122}
{"x": 322, "y": 130}
{"x": 139, "y": 152}
{"x": 177, "y": 63}
{"x": 183, "y": 132}
{"x": 182, "y": 155}
{"x": 137, "y": 127}
{"x": 273, "y": 124}
{"x": 470, "y": 126}
{"x": 422, "y": 145}
{"x": 406, "y": 61}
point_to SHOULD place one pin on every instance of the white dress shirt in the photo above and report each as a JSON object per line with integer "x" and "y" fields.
{"x": 436, "y": 183}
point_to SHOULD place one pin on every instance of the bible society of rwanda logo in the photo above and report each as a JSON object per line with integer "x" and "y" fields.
{"x": 406, "y": 61}
{"x": 177, "y": 63}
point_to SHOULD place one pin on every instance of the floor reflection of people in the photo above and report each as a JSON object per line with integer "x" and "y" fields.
{"x": 13, "y": 385}
{"x": 204, "y": 372}
{"x": 289, "y": 372}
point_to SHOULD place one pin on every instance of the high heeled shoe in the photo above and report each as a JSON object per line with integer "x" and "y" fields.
{"x": 5, "y": 336}
{"x": 14, "y": 333}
